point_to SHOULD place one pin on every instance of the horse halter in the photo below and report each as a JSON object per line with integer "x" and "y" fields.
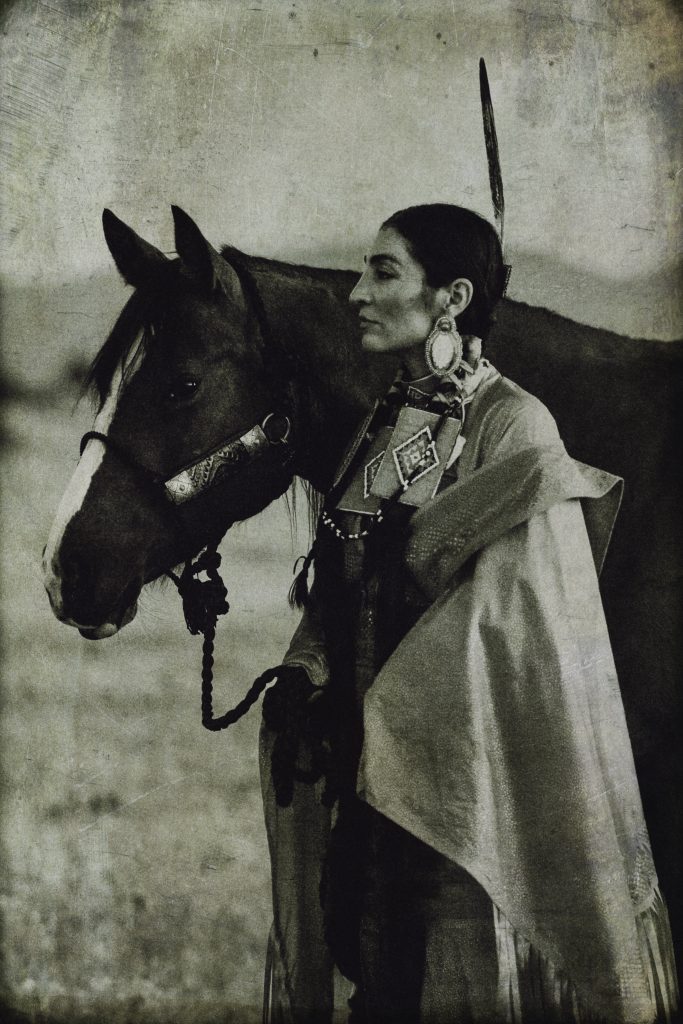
{"x": 205, "y": 599}
{"x": 215, "y": 466}
{"x": 229, "y": 458}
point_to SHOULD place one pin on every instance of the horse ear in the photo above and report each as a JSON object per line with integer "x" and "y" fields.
{"x": 201, "y": 258}
{"x": 133, "y": 256}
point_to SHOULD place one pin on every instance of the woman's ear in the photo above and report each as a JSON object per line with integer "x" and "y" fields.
{"x": 461, "y": 292}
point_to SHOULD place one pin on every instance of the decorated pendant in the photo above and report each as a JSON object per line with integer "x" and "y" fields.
{"x": 358, "y": 496}
{"x": 415, "y": 459}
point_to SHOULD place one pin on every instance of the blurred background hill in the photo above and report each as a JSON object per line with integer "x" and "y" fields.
{"x": 52, "y": 331}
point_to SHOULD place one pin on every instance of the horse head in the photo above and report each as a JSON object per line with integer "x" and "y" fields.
{"x": 186, "y": 369}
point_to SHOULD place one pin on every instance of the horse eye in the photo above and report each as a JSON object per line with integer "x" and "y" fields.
{"x": 182, "y": 389}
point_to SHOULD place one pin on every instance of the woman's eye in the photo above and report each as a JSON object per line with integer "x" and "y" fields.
{"x": 383, "y": 275}
{"x": 182, "y": 389}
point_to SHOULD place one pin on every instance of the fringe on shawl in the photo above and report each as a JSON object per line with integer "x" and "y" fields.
{"x": 276, "y": 999}
{"x": 657, "y": 953}
{"x": 531, "y": 988}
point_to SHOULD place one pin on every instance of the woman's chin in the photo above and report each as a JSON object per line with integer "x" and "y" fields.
{"x": 372, "y": 342}
{"x": 380, "y": 345}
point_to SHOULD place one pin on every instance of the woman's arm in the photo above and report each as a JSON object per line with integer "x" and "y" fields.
{"x": 307, "y": 647}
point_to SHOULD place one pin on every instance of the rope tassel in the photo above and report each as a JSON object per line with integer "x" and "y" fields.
{"x": 203, "y": 601}
{"x": 299, "y": 591}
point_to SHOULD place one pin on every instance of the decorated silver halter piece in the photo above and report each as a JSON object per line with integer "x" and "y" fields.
{"x": 213, "y": 467}
{"x": 225, "y": 460}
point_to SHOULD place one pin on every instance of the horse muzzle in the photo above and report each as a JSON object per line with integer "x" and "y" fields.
{"x": 95, "y": 620}
{"x": 107, "y": 629}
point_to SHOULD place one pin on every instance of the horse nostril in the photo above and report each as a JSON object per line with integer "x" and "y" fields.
{"x": 70, "y": 582}
{"x": 72, "y": 571}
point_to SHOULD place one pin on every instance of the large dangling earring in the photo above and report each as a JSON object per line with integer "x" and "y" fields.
{"x": 443, "y": 347}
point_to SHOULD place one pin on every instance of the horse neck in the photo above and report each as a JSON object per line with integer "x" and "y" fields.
{"x": 334, "y": 381}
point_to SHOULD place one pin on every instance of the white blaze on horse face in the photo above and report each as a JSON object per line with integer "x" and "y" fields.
{"x": 77, "y": 490}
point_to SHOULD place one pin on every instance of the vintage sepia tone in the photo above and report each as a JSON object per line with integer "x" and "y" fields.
{"x": 135, "y": 875}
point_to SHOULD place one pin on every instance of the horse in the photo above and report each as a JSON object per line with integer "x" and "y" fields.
{"x": 261, "y": 361}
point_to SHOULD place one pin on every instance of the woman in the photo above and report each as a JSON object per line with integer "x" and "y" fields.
{"x": 452, "y": 680}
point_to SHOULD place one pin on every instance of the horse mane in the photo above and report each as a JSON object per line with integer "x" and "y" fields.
{"x": 135, "y": 321}
{"x": 293, "y": 272}
{"x": 290, "y": 271}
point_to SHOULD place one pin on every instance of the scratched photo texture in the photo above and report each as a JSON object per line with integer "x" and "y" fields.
{"x": 135, "y": 876}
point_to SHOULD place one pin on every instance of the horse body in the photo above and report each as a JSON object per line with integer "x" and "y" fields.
{"x": 192, "y": 361}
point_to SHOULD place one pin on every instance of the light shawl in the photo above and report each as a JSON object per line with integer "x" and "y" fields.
{"x": 495, "y": 733}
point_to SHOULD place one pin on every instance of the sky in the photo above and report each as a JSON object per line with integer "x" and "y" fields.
{"x": 292, "y": 129}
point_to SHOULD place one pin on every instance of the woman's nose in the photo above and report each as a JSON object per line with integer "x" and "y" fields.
{"x": 360, "y": 292}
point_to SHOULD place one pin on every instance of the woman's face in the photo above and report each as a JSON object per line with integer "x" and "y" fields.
{"x": 396, "y": 306}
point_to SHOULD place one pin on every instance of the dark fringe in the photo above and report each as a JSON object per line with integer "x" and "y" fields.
{"x": 315, "y": 501}
{"x": 299, "y": 592}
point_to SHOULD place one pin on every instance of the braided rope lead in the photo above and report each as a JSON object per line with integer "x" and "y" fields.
{"x": 250, "y": 698}
{"x": 203, "y": 602}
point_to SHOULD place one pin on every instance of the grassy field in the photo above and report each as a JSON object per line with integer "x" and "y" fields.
{"x": 135, "y": 882}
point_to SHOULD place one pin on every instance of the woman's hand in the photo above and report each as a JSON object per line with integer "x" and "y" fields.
{"x": 299, "y": 714}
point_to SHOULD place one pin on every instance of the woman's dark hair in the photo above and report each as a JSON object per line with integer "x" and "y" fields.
{"x": 451, "y": 242}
